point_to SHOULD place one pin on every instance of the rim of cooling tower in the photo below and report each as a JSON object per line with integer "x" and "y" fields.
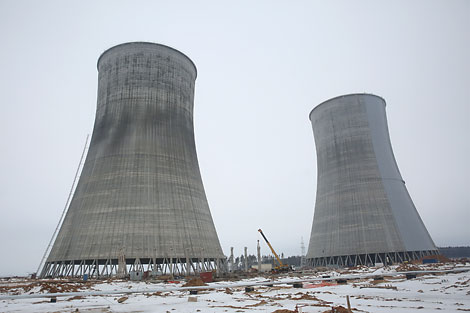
{"x": 344, "y": 96}
{"x": 145, "y": 43}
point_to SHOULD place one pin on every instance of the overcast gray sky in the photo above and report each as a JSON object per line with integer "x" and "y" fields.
{"x": 262, "y": 66}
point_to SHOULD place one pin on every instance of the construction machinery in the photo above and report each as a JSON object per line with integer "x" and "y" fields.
{"x": 281, "y": 267}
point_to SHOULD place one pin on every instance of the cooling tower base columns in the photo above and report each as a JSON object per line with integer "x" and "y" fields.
{"x": 109, "y": 268}
{"x": 369, "y": 259}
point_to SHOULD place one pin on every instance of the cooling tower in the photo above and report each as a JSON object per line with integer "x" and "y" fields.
{"x": 363, "y": 212}
{"x": 140, "y": 203}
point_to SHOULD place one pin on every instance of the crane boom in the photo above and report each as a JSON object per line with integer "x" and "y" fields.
{"x": 281, "y": 265}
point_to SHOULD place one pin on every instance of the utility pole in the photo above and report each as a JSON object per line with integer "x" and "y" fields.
{"x": 302, "y": 251}
{"x": 246, "y": 259}
{"x": 231, "y": 260}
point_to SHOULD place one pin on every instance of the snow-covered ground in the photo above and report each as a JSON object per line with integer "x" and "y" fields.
{"x": 449, "y": 292}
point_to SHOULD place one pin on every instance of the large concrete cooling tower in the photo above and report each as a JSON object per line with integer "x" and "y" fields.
{"x": 363, "y": 212}
{"x": 140, "y": 202}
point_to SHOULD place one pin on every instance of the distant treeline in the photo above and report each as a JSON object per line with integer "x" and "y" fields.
{"x": 450, "y": 252}
{"x": 455, "y": 252}
{"x": 292, "y": 260}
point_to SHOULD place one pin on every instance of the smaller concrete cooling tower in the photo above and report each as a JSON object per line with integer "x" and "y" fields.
{"x": 363, "y": 212}
{"x": 140, "y": 203}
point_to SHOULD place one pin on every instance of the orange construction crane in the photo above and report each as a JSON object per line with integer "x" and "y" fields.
{"x": 281, "y": 267}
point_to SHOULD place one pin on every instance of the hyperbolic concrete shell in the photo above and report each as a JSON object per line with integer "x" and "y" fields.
{"x": 140, "y": 193}
{"x": 363, "y": 212}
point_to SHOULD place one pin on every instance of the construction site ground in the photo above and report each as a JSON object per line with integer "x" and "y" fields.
{"x": 376, "y": 289}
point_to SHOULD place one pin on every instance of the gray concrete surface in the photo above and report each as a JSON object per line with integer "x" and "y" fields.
{"x": 140, "y": 189}
{"x": 362, "y": 205}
